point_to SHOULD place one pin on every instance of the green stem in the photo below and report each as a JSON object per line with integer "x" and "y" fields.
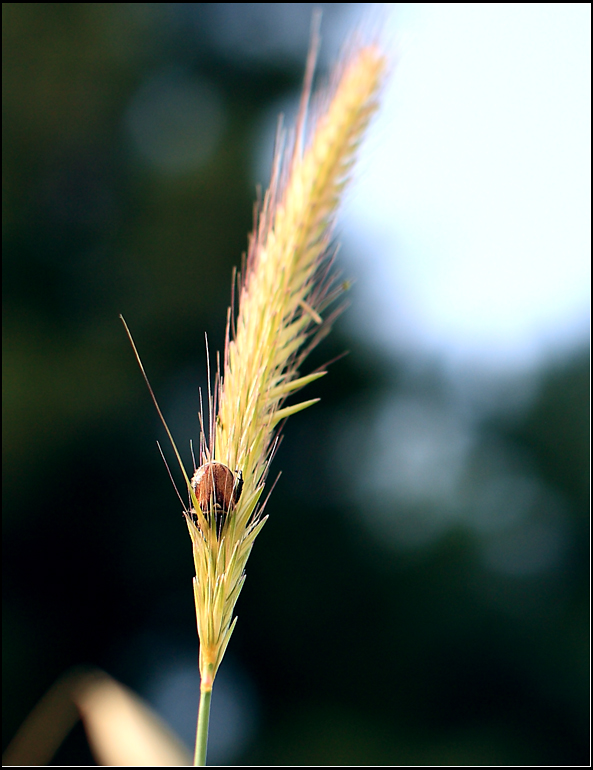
{"x": 202, "y": 729}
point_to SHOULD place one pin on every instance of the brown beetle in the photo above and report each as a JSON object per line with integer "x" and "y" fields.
{"x": 215, "y": 483}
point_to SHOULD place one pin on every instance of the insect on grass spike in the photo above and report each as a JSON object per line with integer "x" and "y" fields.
{"x": 216, "y": 485}
{"x": 286, "y": 287}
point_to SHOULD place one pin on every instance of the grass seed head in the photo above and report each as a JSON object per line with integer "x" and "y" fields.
{"x": 288, "y": 284}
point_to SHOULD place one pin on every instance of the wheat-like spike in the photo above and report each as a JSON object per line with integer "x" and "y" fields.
{"x": 284, "y": 290}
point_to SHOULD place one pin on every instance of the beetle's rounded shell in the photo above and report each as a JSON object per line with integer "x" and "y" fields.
{"x": 215, "y": 482}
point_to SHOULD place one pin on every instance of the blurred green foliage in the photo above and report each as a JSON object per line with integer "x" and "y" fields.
{"x": 360, "y": 652}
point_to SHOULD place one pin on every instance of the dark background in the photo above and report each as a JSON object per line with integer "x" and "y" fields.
{"x": 469, "y": 646}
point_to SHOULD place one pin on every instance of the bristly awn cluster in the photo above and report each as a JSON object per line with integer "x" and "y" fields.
{"x": 286, "y": 288}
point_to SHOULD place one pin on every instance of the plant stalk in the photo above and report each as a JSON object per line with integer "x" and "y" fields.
{"x": 202, "y": 728}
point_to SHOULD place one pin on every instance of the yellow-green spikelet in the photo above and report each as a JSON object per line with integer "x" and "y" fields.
{"x": 280, "y": 304}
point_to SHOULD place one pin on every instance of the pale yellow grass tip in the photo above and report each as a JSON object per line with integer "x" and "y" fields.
{"x": 287, "y": 285}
